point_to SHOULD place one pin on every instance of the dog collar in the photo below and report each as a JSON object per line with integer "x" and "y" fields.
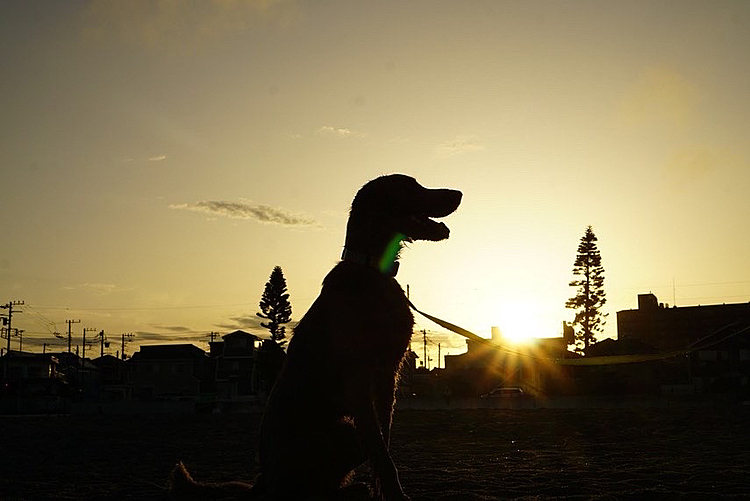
{"x": 370, "y": 261}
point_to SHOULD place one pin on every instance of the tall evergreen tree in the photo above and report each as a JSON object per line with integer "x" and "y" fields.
{"x": 590, "y": 297}
{"x": 275, "y": 307}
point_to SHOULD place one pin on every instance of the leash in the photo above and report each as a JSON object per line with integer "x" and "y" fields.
{"x": 604, "y": 360}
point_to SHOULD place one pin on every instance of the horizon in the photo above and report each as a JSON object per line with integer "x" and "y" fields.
{"x": 160, "y": 159}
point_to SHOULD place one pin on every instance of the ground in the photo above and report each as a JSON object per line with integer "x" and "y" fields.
{"x": 690, "y": 453}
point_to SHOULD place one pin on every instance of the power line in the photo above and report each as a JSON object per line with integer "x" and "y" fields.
{"x": 695, "y": 298}
{"x": 67, "y": 308}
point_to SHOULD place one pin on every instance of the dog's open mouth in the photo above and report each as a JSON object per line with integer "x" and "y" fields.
{"x": 421, "y": 227}
{"x": 436, "y": 204}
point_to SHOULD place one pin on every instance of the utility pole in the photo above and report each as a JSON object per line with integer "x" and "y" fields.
{"x": 211, "y": 338}
{"x": 85, "y": 330}
{"x": 424, "y": 343}
{"x": 44, "y": 348}
{"x": 71, "y": 322}
{"x": 124, "y": 336}
{"x": 9, "y": 321}
{"x": 19, "y": 333}
{"x": 102, "y": 338}
{"x": 438, "y": 356}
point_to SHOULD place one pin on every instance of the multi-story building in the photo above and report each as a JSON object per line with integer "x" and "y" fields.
{"x": 715, "y": 337}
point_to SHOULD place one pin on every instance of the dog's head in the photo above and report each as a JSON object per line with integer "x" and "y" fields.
{"x": 399, "y": 204}
{"x": 397, "y": 207}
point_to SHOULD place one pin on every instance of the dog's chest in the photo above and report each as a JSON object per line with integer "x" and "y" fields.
{"x": 373, "y": 312}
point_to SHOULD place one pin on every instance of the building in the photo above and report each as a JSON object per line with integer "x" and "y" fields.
{"x": 674, "y": 328}
{"x": 114, "y": 379}
{"x": 32, "y": 373}
{"x": 716, "y": 337}
{"x": 237, "y": 371}
{"x": 170, "y": 372}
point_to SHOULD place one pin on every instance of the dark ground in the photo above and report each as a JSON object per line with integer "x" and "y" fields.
{"x": 687, "y": 453}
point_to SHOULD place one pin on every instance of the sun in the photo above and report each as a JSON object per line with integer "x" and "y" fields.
{"x": 519, "y": 323}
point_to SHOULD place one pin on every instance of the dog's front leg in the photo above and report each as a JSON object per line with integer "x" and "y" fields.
{"x": 371, "y": 437}
{"x": 384, "y": 398}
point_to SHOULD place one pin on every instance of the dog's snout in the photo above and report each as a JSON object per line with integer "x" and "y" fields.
{"x": 457, "y": 195}
{"x": 446, "y": 201}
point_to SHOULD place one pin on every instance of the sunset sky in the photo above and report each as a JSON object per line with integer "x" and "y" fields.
{"x": 160, "y": 158}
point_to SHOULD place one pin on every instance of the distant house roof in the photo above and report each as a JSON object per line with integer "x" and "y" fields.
{"x": 240, "y": 333}
{"x": 609, "y": 346}
{"x": 170, "y": 351}
{"x": 71, "y": 359}
{"x": 29, "y": 356}
{"x": 107, "y": 360}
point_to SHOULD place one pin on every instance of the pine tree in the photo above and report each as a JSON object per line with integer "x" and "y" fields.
{"x": 590, "y": 296}
{"x": 275, "y": 307}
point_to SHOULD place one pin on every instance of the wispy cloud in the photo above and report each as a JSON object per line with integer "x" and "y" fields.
{"x": 248, "y": 321}
{"x": 172, "y": 328}
{"x": 341, "y": 132}
{"x": 157, "y": 158}
{"x": 459, "y": 145}
{"x": 92, "y": 287}
{"x": 241, "y": 210}
{"x": 147, "y": 337}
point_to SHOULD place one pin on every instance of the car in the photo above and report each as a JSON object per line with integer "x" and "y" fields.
{"x": 505, "y": 392}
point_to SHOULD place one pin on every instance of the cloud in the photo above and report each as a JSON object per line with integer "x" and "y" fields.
{"x": 240, "y": 210}
{"x": 147, "y": 337}
{"x": 172, "y": 328}
{"x": 180, "y": 25}
{"x": 327, "y": 130}
{"x": 96, "y": 288}
{"x": 660, "y": 96}
{"x": 248, "y": 321}
{"x": 459, "y": 145}
{"x": 157, "y": 158}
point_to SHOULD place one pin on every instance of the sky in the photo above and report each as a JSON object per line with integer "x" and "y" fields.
{"x": 160, "y": 158}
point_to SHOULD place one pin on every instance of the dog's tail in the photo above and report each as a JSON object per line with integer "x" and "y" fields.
{"x": 183, "y": 487}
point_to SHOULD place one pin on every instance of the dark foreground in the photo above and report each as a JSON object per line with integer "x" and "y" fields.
{"x": 688, "y": 453}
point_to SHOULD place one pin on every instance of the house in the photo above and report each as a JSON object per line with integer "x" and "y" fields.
{"x": 79, "y": 373}
{"x": 114, "y": 379}
{"x": 237, "y": 371}
{"x": 32, "y": 373}
{"x": 171, "y": 372}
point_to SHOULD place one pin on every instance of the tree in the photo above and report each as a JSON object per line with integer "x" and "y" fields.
{"x": 590, "y": 296}
{"x": 275, "y": 307}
